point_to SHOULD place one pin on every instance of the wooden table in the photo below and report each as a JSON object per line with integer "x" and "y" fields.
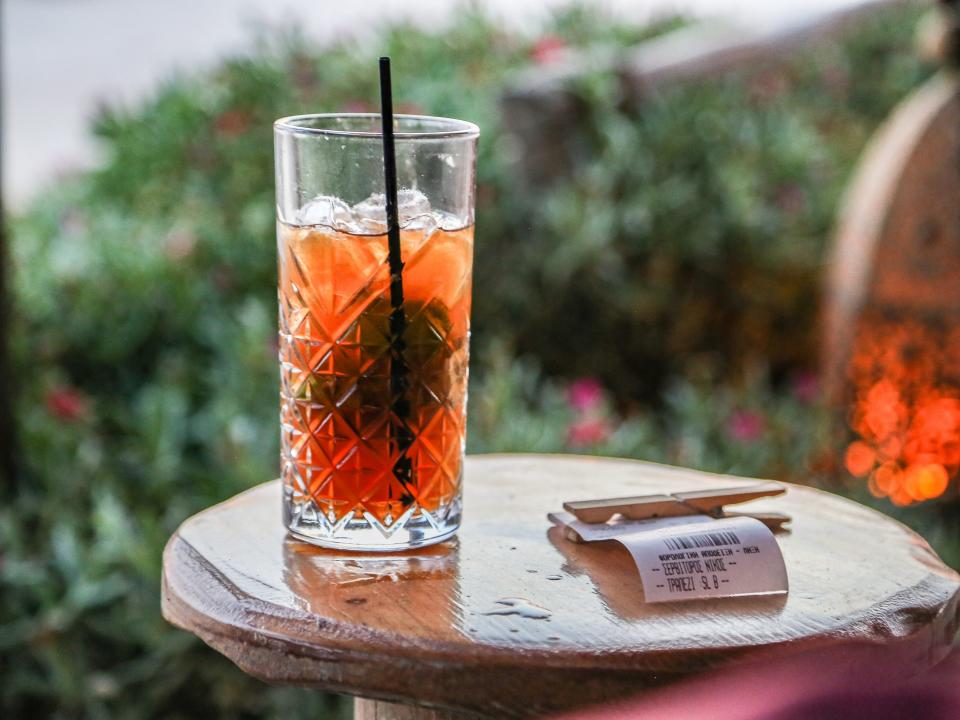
{"x": 510, "y": 620}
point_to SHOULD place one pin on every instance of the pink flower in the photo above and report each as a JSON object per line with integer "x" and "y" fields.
{"x": 588, "y": 431}
{"x": 585, "y": 394}
{"x": 66, "y": 403}
{"x": 548, "y": 49}
{"x": 805, "y": 386}
{"x": 746, "y": 426}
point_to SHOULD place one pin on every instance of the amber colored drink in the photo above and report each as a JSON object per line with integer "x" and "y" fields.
{"x": 337, "y": 410}
{"x": 373, "y": 337}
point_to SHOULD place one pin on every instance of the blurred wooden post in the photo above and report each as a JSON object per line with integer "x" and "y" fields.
{"x": 897, "y": 247}
{"x": 891, "y": 351}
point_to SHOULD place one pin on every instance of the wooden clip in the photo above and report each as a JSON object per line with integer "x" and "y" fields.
{"x": 711, "y": 501}
{"x": 634, "y": 508}
{"x": 695, "y": 502}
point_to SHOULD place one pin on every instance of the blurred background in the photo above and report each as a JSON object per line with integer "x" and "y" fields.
{"x": 658, "y": 196}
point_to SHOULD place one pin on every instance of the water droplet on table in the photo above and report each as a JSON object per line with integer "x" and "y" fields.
{"x": 520, "y": 606}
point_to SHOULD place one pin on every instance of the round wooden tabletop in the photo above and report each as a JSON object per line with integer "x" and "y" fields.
{"x": 511, "y": 620}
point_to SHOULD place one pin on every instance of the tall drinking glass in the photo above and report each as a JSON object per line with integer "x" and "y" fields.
{"x": 372, "y": 409}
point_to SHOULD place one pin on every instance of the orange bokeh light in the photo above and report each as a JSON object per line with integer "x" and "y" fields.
{"x": 887, "y": 478}
{"x": 923, "y": 482}
{"x": 859, "y": 459}
{"x": 906, "y": 410}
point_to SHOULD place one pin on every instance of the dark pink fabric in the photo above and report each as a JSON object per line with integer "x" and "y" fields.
{"x": 840, "y": 683}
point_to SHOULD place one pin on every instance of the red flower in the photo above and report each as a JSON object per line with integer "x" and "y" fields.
{"x": 548, "y": 49}
{"x": 585, "y": 394}
{"x": 232, "y": 122}
{"x": 588, "y": 431}
{"x": 746, "y": 426}
{"x": 66, "y": 403}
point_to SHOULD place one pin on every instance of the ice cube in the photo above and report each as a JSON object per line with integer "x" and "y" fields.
{"x": 413, "y": 208}
{"x": 326, "y": 210}
{"x": 448, "y": 221}
{"x": 412, "y": 203}
{"x": 371, "y": 214}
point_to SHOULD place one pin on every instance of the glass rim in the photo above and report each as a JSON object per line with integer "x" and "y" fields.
{"x": 453, "y": 128}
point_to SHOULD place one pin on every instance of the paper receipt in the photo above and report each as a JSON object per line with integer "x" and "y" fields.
{"x": 686, "y": 558}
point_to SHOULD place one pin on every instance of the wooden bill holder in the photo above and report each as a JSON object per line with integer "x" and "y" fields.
{"x": 695, "y": 502}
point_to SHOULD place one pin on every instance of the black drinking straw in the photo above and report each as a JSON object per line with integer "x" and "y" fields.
{"x": 402, "y": 469}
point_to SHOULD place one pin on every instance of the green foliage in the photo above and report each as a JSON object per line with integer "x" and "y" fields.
{"x": 694, "y": 225}
{"x": 750, "y": 430}
{"x": 688, "y": 236}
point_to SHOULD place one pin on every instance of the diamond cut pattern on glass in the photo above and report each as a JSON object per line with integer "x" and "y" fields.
{"x": 337, "y": 438}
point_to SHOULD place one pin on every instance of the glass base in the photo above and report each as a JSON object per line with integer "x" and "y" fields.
{"x": 364, "y": 533}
